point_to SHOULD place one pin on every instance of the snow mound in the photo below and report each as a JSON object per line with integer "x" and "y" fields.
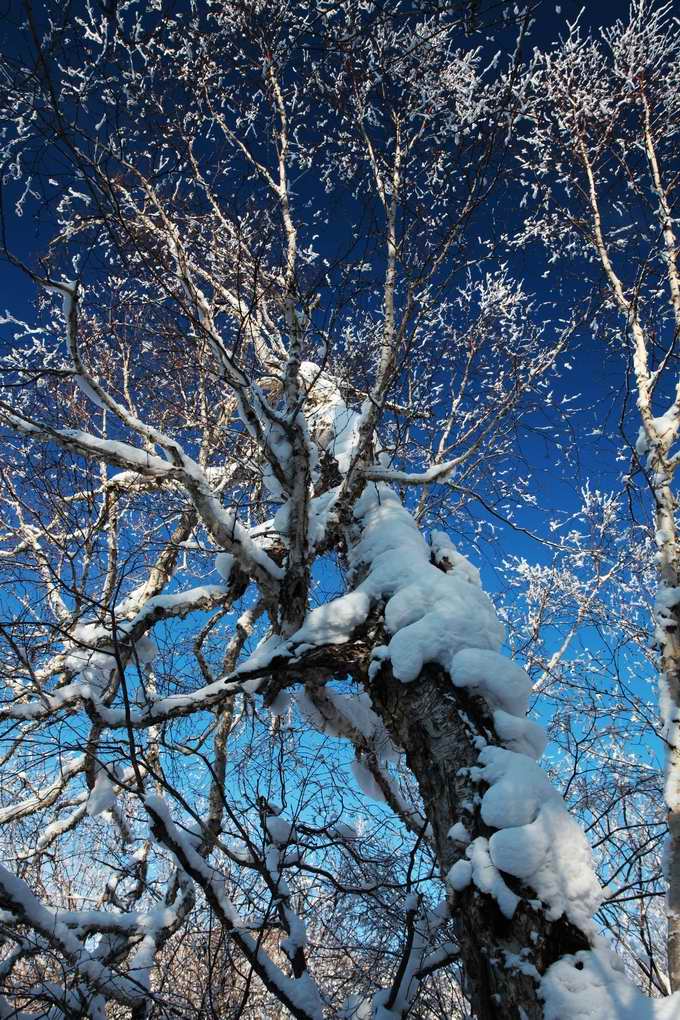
{"x": 503, "y": 683}
{"x": 333, "y": 622}
{"x": 479, "y": 868}
{"x": 430, "y": 614}
{"x": 592, "y": 985}
{"x": 447, "y": 557}
{"x": 537, "y": 839}
{"x": 505, "y": 687}
{"x": 224, "y": 564}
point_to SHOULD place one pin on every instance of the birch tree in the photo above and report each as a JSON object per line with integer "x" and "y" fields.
{"x": 600, "y": 163}
{"x": 581, "y": 624}
{"x": 263, "y": 269}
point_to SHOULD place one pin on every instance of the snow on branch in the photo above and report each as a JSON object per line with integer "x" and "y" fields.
{"x": 299, "y": 995}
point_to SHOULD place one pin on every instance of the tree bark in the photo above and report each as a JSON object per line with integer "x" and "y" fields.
{"x": 436, "y": 724}
{"x": 670, "y": 661}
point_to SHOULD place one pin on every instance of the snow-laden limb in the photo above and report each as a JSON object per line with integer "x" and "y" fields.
{"x": 347, "y": 715}
{"x": 290, "y": 455}
{"x": 336, "y": 424}
{"x": 252, "y": 674}
{"x": 320, "y": 515}
{"x": 351, "y": 716}
{"x": 51, "y": 833}
{"x": 47, "y": 796}
{"x": 280, "y": 839}
{"x": 226, "y": 530}
{"x": 98, "y": 636}
{"x": 95, "y": 651}
{"x": 87, "y": 922}
{"x": 222, "y": 524}
{"x": 110, "y": 451}
{"x": 300, "y": 995}
{"x": 16, "y": 895}
{"x": 396, "y": 1001}
{"x": 436, "y": 473}
{"x": 121, "y": 933}
{"x": 102, "y": 796}
{"x": 367, "y": 781}
{"x": 438, "y": 613}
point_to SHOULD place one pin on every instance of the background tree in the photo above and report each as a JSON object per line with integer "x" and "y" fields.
{"x": 600, "y": 167}
{"x": 581, "y": 624}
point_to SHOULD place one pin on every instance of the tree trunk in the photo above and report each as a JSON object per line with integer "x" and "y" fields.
{"x": 670, "y": 711}
{"x": 667, "y": 623}
{"x": 436, "y": 724}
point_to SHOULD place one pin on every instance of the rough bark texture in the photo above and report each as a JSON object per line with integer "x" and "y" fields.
{"x": 436, "y": 724}
{"x": 667, "y": 628}
{"x": 670, "y": 650}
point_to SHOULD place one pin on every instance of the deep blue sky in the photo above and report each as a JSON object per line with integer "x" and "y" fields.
{"x": 594, "y": 384}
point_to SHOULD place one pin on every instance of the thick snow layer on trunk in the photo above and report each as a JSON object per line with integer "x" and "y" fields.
{"x": 593, "y": 986}
{"x": 537, "y": 839}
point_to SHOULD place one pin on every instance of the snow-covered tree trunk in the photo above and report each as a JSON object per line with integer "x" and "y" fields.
{"x": 521, "y": 888}
{"x": 435, "y": 722}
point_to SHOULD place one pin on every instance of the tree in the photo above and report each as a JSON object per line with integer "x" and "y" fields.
{"x": 263, "y": 305}
{"x": 581, "y": 624}
{"x": 600, "y": 158}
